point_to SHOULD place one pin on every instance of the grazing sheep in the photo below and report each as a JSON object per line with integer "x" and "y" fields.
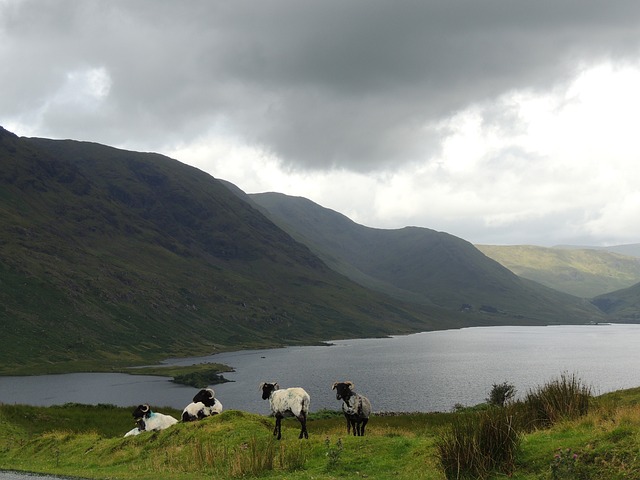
{"x": 289, "y": 402}
{"x": 149, "y": 421}
{"x": 356, "y": 407}
{"x": 204, "y": 405}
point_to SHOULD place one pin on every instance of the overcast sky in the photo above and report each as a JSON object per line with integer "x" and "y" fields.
{"x": 501, "y": 122}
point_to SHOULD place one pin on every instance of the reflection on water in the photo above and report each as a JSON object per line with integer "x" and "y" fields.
{"x": 422, "y": 372}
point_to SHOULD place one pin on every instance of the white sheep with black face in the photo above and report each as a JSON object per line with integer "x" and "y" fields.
{"x": 204, "y": 405}
{"x": 356, "y": 407}
{"x": 289, "y": 402}
{"x": 148, "y": 420}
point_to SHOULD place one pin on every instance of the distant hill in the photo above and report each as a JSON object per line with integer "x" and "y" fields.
{"x": 581, "y": 271}
{"x": 422, "y": 265}
{"x": 110, "y": 257}
{"x": 631, "y": 250}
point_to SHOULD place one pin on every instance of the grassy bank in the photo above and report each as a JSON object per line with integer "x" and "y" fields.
{"x": 87, "y": 441}
{"x": 197, "y": 376}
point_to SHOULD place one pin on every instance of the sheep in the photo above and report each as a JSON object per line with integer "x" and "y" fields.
{"x": 147, "y": 420}
{"x": 289, "y": 402}
{"x": 356, "y": 407}
{"x": 204, "y": 405}
{"x": 133, "y": 431}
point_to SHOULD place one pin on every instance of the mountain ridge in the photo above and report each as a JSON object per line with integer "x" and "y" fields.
{"x": 110, "y": 257}
{"x": 440, "y": 268}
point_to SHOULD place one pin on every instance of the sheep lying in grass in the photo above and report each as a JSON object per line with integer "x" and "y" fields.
{"x": 356, "y": 407}
{"x": 204, "y": 405}
{"x": 289, "y": 402}
{"x": 148, "y": 420}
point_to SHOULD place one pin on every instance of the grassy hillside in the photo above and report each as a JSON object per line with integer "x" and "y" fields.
{"x": 584, "y": 273}
{"x": 111, "y": 258}
{"x": 87, "y": 441}
{"x": 422, "y": 265}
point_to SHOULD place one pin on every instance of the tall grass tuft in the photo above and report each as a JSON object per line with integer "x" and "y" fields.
{"x": 478, "y": 444}
{"x": 294, "y": 457}
{"x": 563, "y": 398}
{"x": 253, "y": 458}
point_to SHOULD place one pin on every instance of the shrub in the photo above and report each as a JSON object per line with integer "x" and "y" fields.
{"x": 500, "y": 394}
{"x": 478, "y": 444}
{"x": 562, "y": 398}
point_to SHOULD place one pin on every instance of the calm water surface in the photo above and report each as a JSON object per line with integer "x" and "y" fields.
{"x": 429, "y": 371}
{"x": 12, "y": 475}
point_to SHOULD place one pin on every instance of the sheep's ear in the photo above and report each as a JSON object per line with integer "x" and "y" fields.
{"x": 276, "y": 386}
{"x": 350, "y": 385}
{"x": 334, "y": 386}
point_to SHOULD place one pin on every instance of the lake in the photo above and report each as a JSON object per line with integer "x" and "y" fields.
{"x": 431, "y": 371}
{"x": 13, "y": 475}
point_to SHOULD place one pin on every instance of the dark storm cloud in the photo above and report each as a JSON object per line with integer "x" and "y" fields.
{"x": 358, "y": 84}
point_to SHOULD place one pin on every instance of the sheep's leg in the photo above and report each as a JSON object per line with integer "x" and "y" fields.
{"x": 278, "y": 430}
{"x": 303, "y": 426}
{"x": 354, "y": 425}
{"x": 364, "y": 424}
{"x": 348, "y": 425}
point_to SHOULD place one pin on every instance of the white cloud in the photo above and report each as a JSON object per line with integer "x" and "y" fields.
{"x": 499, "y": 125}
{"x": 566, "y": 158}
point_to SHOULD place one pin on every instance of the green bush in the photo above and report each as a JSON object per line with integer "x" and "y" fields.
{"x": 562, "y": 398}
{"x": 501, "y": 393}
{"x": 477, "y": 444}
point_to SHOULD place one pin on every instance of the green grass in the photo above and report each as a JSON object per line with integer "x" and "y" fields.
{"x": 87, "y": 441}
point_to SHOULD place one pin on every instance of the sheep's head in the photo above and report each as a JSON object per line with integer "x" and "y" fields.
{"x": 141, "y": 411}
{"x": 344, "y": 390}
{"x": 206, "y": 396}
{"x": 141, "y": 425}
{"x": 268, "y": 389}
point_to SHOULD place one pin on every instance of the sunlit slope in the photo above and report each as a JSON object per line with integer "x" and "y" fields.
{"x": 629, "y": 249}
{"x": 422, "y": 264}
{"x": 581, "y": 272}
{"x": 109, "y": 257}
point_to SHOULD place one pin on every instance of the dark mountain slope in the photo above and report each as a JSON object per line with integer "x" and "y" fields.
{"x": 126, "y": 257}
{"x": 435, "y": 267}
{"x": 621, "y": 305}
